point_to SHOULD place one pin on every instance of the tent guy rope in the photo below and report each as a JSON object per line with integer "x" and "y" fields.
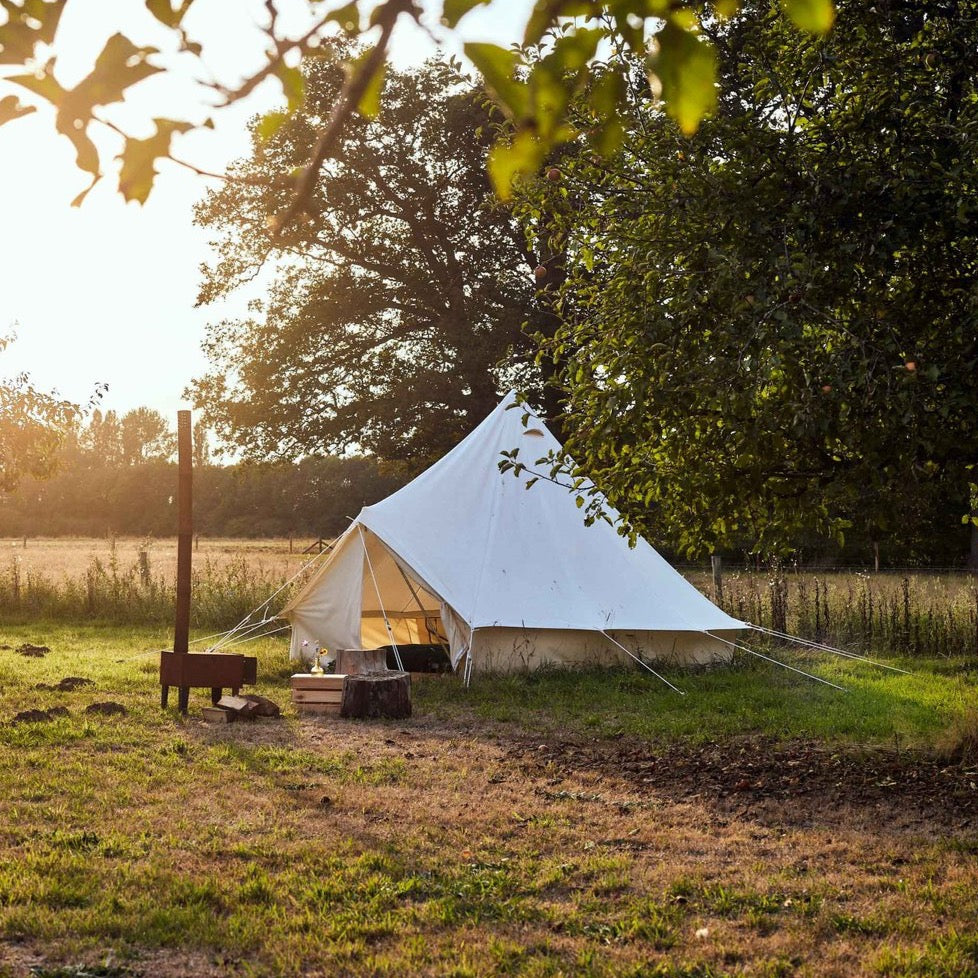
{"x": 644, "y": 664}
{"x": 808, "y": 643}
{"x": 225, "y": 637}
{"x": 777, "y": 662}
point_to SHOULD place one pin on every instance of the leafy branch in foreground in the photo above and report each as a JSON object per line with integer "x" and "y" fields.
{"x": 667, "y": 34}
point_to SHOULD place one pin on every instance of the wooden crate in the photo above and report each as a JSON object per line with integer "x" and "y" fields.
{"x": 317, "y": 694}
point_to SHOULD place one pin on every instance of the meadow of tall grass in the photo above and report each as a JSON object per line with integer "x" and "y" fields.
{"x": 910, "y": 614}
{"x": 133, "y": 582}
{"x": 129, "y": 581}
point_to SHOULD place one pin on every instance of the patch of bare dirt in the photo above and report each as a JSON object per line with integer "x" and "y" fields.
{"x": 798, "y": 783}
{"x": 39, "y": 716}
{"x": 28, "y": 960}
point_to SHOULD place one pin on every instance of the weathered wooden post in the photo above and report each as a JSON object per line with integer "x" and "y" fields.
{"x": 716, "y": 565}
{"x": 144, "y": 575}
{"x": 185, "y": 532}
{"x": 181, "y": 668}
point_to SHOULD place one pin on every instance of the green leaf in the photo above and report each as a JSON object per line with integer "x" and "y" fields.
{"x": 348, "y": 18}
{"x": 510, "y": 160}
{"x": 12, "y": 108}
{"x": 120, "y": 65}
{"x": 80, "y": 198}
{"x": 139, "y": 158}
{"x": 86, "y": 155}
{"x": 369, "y": 104}
{"x": 454, "y": 10}
{"x": 270, "y": 123}
{"x": 293, "y": 86}
{"x": 498, "y": 68}
{"x": 163, "y": 11}
{"x": 44, "y": 84}
{"x": 814, "y": 16}
{"x": 686, "y": 67}
{"x": 546, "y": 13}
{"x": 608, "y": 138}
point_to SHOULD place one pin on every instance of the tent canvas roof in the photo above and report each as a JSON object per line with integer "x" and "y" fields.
{"x": 502, "y": 554}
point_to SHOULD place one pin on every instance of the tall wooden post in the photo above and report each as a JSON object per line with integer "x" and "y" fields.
{"x": 185, "y": 533}
{"x": 182, "y": 668}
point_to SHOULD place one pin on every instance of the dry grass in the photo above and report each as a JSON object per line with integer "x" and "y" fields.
{"x": 70, "y": 557}
{"x": 423, "y": 847}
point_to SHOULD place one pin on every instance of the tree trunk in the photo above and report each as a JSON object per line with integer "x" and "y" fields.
{"x": 385, "y": 694}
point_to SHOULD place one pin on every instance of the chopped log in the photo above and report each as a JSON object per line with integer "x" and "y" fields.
{"x": 386, "y": 694}
{"x": 237, "y": 705}
{"x": 215, "y": 714}
{"x": 357, "y": 662}
{"x": 264, "y": 707}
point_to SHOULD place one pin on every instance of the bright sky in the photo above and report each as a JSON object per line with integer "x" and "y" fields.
{"x": 105, "y": 293}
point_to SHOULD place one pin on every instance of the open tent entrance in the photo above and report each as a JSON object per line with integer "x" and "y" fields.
{"x": 396, "y": 607}
{"x": 371, "y": 598}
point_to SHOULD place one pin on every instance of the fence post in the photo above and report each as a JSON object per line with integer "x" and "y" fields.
{"x": 144, "y": 568}
{"x": 716, "y": 565}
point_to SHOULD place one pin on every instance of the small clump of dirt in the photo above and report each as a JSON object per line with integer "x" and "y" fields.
{"x": 67, "y": 685}
{"x": 33, "y": 651}
{"x": 107, "y": 709}
{"x": 39, "y": 716}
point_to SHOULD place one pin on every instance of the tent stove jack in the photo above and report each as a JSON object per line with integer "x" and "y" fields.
{"x": 182, "y": 668}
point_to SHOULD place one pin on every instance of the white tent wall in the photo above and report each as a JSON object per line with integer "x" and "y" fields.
{"x": 513, "y": 649}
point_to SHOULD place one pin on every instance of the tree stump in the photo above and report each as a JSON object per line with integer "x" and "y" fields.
{"x": 355, "y": 662}
{"x": 377, "y": 694}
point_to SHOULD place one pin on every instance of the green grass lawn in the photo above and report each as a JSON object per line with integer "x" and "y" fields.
{"x": 876, "y": 707}
{"x": 324, "y": 846}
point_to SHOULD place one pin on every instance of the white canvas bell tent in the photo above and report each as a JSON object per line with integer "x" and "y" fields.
{"x": 507, "y": 577}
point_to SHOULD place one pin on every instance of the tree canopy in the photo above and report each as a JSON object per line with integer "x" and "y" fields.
{"x": 772, "y": 328}
{"x": 398, "y": 308}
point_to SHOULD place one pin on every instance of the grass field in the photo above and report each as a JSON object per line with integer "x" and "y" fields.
{"x": 588, "y": 824}
{"x": 79, "y": 579}
{"x": 60, "y": 558}
{"x": 72, "y": 580}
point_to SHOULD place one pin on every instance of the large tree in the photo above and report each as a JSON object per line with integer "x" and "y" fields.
{"x": 398, "y": 307}
{"x": 773, "y": 328}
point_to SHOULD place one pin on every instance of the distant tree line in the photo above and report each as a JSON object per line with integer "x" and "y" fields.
{"x": 117, "y": 475}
